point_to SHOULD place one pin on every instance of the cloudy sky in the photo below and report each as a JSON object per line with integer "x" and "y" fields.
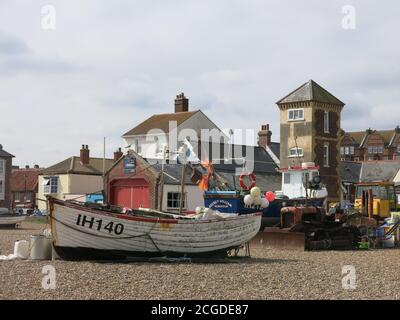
{"x": 109, "y": 65}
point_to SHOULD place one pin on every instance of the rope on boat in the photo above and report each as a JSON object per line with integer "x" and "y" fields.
{"x": 115, "y": 238}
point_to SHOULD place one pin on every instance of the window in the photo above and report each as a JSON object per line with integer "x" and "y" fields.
{"x": 286, "y": 178}
{"x": 375, "y": 149}
{"x": 50, "y": 185}
{"x": 342, "y": 150}
{"x": 173, "y": 200}
{"x": 296, "y": 114}
{"x": 326, "y": 122}
{"x": 326, "y": 155}
{"x": 351, "y": 149}
{"x": 296, "y": 152}
{"x": 16, "y": 196}
{"x": 1, "y": 166}
{"x": 398, "y": 150}
{"x": 28, "y": 196}
{"x": 346, "y": 150}
{"x": 1, "y": 187}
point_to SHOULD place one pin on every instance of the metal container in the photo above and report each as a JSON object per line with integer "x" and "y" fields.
{"x": 40, "y": 247}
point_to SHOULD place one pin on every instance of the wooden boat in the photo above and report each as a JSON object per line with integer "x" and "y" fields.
{"x": 10, "y": 219}
{"x": 82, "y": 232}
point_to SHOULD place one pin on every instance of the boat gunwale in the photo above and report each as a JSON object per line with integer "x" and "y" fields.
{"x": 143, "y": 219}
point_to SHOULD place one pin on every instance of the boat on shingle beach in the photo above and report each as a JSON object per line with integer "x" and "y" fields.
{"x": 80, "y": 231}
{"x": 8, "y": 219}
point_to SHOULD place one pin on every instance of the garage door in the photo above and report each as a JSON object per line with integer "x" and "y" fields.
{"x": 131, "y": 193}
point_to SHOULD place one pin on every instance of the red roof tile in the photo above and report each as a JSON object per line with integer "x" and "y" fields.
{"x": 21, "y": 176}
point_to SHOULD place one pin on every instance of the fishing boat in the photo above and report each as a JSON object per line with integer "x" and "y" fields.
{"x": 10, "y": 219}
{"x": 83, "y": 232}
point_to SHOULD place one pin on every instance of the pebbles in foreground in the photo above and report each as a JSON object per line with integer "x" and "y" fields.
{"x": 269, "y": 274}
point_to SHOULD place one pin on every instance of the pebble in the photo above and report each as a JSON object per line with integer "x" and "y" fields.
{"x": 269, "y": 274}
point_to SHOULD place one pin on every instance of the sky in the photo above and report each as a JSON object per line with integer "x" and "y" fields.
{"x": 109, "y": 65}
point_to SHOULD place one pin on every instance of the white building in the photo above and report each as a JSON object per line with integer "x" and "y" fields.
{"x": 169, "y": 130}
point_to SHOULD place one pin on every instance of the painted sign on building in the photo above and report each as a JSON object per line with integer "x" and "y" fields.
{"x": 129, "y": 165}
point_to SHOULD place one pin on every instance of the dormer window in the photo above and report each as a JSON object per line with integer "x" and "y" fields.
{"x": 296, "y": 115}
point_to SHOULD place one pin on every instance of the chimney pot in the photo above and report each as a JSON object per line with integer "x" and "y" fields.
{"x": 36, "y": 166}
{"x": 181, "y": 103}
{"x": 27, "y": 166}
{"x": 85, "y": 155}
{"x": 118, "y": 154}
{"x": 264, "y": 136}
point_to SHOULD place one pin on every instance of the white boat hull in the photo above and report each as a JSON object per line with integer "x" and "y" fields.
{"x": 10, "y": 220}
{"x": 80, "y": 231}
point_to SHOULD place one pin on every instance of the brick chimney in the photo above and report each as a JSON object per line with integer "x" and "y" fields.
{"x": 264, "y": 136}
{"x": 84, "y": 156}
{"x": 118, "y": 154}
{"x": 181, "y": 103}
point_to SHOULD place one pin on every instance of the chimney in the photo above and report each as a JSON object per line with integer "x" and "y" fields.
{"x": 27, "y": 166}
{"x": 264, "y": 136}
{"x": 84, "y": 154}
{"x": 118, "y": 154}
{"x": 181, "y": 103}
{"x": 36, "y": 166}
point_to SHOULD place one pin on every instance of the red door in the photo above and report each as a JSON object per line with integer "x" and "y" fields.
{"x": 131, "y": 193}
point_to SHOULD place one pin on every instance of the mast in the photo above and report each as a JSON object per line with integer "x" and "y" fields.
{"x": 104, "y": 171}
{"x": 162, "y": 180}
{"x": 182, "y": 193}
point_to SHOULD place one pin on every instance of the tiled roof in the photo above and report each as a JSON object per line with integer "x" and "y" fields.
{"x": 311, "y": 91}
{"x": 375, "y": 171}
{"x": 262, "y": 163}
{"x": 74, "y": 165}
{"x": 350, "y": 171}
{"x": 4, "y": 153}
{"x": 159, "y": 121}
{"x": 276, "y": 148}
{"x": 358, "y": 136}
{"x": 24, "y": 179}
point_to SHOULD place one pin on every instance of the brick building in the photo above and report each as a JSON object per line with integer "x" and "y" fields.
{"x": 309, "y": 128}
{"x": 5, "y": 175}
{"x": 24, "y": 187}
{"x": 370, "y": 145}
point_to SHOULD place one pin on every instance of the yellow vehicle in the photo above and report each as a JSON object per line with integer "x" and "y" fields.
{"x": 384, "y": 198}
